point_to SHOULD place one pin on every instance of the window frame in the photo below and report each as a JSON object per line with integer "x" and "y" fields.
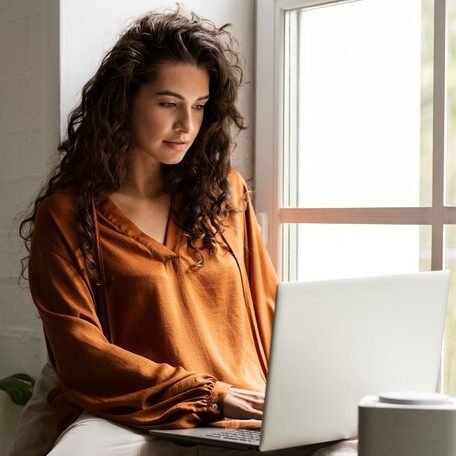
{"x": 269, "y": 142}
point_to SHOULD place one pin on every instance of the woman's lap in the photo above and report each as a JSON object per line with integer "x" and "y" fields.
{"x": 93, "y": 435}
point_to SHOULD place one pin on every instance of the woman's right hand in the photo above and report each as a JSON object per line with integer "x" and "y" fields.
{"x": 243, "y": 404}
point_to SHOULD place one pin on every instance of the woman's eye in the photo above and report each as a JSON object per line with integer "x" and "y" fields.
{"x": 198, "y": 107}
{"x": 168, "y": 105}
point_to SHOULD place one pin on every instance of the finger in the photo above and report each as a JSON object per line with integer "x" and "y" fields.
{"x": 256, "y": 414}
{"x": 253, "y": 402}
{"x": 249, "y": 396}
{"x": 247, "y": 413}
{"x": 248, "y": 392}
{"x": 244, "y": 412}
{"x": 257, "y": 405}
{"x": 254, "y": 406}
{"x": 254, "y": 410}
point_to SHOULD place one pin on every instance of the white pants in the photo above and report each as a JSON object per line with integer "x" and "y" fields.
{"x": 90, "y": 435}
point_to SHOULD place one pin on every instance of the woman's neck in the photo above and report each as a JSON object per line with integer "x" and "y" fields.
{"x": 144, "y": 179}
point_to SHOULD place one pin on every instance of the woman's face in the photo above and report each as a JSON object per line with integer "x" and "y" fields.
{"x": 167, "y": 113}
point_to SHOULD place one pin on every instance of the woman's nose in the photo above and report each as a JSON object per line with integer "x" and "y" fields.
{"x": 184, "y": 121}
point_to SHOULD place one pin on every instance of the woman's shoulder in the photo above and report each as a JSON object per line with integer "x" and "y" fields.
{"x": 238, "y": 185}
{"x": 57, "y": 230}
{"x": 61, "y": 204}
{"x": 56, "y": 217}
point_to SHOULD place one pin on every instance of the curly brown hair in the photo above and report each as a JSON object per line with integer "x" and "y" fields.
{"x": 95, "y": 153}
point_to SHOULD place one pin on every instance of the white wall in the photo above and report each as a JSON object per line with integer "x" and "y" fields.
{"x": 39, "y": 84}
{"x": 28, "y": 137}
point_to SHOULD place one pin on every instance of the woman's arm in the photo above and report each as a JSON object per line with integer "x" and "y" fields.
{"x": 101, "y": 377}
{"x": 245, "y": 238}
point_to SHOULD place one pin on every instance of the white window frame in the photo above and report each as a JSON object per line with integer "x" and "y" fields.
{"x": 269, "y": 153}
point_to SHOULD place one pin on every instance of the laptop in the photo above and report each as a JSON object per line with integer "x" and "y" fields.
{"x": 334, "y": 342}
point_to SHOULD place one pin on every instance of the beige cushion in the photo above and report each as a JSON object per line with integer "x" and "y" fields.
{"x": 344, "y": 448}
{"x": 37, "y": 429}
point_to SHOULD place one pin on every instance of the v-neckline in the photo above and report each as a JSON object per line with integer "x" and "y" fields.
{"x": 125, "y": 225}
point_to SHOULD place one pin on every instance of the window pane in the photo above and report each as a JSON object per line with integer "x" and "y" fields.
{"x": 358, "y": 104}
{"x": 334, "y": 251}
{"x": 449, "y": 362}
{"x": 451, "y": 106}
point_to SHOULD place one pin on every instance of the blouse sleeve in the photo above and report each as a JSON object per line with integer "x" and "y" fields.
{"x": 262, "y": 276}
{"x": 95, "y": 374}
{"x": 245, "y": 237}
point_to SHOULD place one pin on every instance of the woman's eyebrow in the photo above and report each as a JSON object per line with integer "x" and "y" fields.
{"x": 177, "y": 95}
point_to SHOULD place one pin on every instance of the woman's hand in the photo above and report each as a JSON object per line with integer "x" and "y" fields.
{"x": 243, "y": 404}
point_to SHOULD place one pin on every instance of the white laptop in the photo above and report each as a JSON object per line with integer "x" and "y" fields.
{"x": 334, "y": 342}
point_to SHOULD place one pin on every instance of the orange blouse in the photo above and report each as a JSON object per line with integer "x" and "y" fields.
{"x": 178, "y": 337}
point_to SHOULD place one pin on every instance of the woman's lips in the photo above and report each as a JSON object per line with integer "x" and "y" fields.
{"x": 176, "y": 145}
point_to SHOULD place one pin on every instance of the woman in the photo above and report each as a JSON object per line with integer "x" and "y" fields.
{"x": 146, "y": 263}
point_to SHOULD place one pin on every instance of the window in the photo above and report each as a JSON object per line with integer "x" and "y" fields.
{"x": 356, "y": 139}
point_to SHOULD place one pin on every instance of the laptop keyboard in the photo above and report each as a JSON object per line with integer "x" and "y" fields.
{"x": 243, "y": 435}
